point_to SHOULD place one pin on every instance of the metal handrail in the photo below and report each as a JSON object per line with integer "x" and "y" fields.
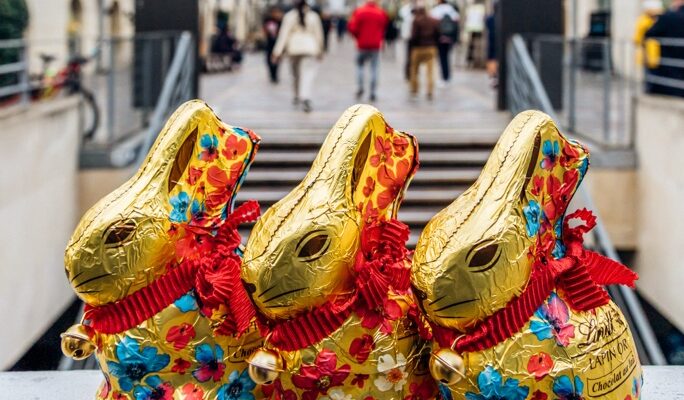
{"x": 525, "y": 91}
{"x": 176, "y": 89}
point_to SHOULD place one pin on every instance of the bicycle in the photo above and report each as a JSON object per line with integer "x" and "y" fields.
{"x": 48, "y": 84}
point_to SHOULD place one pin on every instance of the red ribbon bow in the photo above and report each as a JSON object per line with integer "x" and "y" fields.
{"x": 215, "y": 276}
{"x": 580, "y": 275}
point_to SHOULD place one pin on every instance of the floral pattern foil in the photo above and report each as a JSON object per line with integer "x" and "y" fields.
{"x": 477, "y": 254}
{"x": 181, "y": 195}
{"x": 301, "y": 255}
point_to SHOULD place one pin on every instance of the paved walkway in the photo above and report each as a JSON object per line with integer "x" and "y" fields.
{"x": 247, "y": 98}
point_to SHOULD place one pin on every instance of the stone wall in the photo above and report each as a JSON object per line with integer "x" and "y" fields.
{"x": 38, "y": 206}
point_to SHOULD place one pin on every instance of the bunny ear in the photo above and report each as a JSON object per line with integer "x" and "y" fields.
{"x": 208, "y": 170}
{"x": 383, "y": 166}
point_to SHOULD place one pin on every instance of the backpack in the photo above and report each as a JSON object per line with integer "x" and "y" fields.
{"x": 448, "y": 27}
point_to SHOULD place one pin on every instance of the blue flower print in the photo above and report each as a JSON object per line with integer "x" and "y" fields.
{"x": 563, "y": 388}
{"x": 211, "y": 363}
{"x": 186, "y": 303}
{"x": 558, "y": 250}
{"x": 550, "y": 151}
{"x": 135, "y": 363}
{"x": 444, "y": 393}
{"x": 492, "y": 387}
{"x": 209, "y": 144}
{"x": 552, "y": 320}
{"x": 583, "y": 169}
{"x": 156, "y": 390}
{"x": 180, "y": 203}
{"x": 197, "y": 210}
{"x": 532, "y": 213}
{"x": 239, "y": 387}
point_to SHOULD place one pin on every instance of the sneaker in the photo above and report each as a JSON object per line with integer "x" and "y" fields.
{"x": 372, "y": 98}
{"x": 306, "y": 106}
{"x": 359, "y": 94}
{"x": 429, "y": 96}
{"x": 295, "y": 101}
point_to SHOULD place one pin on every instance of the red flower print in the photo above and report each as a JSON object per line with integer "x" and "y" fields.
{"x": 392, "y": 183}
{"x": 371, "y": 213}
{"x": 381, "y": 316}
{"x": 383, "y": 148}
{"x": 360, "y": 380}
{"x": 569, "y": 156}
{"x": 400, "y": 145}
{"x": 275, "y": 391}
{"x": 628, "y": 397}
{"x": 322, "y": 375}
{"x": 423, "y": 391}
{"x": 209, "y": 145}
{"x": 180, "y": 366}
{"x": 537, "y": 185}
{"x": 369, "y": 187}
{"x": 192, "y": 392}
{"x": 180, "y": 335}
{"x": 194, "y": 174}
{"x": 194, "y": 244}
{"x": 561, "y": 194}
{"x": 235, "y": 146}
{"x": 539, "y": 365}
{"x": 104, "y": 390}
{"x": 119, "y": 396}
{"x": 539, "y": 395}
{"x": 361, "y": 348}
{"x": 222, "y": 183}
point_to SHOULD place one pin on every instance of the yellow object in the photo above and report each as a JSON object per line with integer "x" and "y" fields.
{"x": 447, "y": 367}
{"x": 300, "y": 262}
{"x": 265, "y": 365}
{"x": 477, "y": 254}
{"x": 647, "y": 50}
{"x": 76, "y": 342}
{"x": 141, "y": 234}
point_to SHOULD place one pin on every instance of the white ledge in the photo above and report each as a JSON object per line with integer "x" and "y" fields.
{"x": 659, "y": 383}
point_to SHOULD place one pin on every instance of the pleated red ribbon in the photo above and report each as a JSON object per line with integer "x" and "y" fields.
{"x": 379, "y": 267}
{"x": 580, "y": 276}
{"x": 215, "y": 277}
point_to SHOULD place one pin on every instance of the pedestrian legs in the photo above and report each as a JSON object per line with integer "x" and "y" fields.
{"x": 374, "y": 57}
{"x": 308, "y": 66}
{"x": 423, "y": 55}
{"x": 444, "y": 50}
{"x": 295, "y": 63}
{"x": 430, "y": 61}
{"x": 360, "y": 62}
{"x": 407, "y": 62}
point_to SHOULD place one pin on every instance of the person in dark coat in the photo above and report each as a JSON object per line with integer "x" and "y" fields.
{"x": 668, "y": 79}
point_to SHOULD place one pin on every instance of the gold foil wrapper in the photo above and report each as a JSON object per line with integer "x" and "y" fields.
{"x": 301, "y": 254}
{"x": 184, "y": 189}
{"x": 476, "y": 255}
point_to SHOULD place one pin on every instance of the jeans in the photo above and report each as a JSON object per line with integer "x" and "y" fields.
{"x": 361, "y": 58}
{"x": 422, "y": 55}
{"x": 444, "y": 50}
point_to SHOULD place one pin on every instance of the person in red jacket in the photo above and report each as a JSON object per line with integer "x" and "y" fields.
{"x": 368, "y": 24}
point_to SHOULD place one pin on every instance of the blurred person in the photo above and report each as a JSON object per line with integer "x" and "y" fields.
{"x": 367, "y": 24}
{"x": 474, "y": 25}
{"x": 405, "y": 27}
{"x": 669, "y": 25}
{"x": 647, "y": 54}
{"x": 326, "y": 22}
{"x": 424, "y": 39}
{"x": 271, "y": 27}
{"x": 338, "y": 11}
{"x": 449, "y": 20}
{"x": 301, "y": 39}
{"x": 492, "y": 60}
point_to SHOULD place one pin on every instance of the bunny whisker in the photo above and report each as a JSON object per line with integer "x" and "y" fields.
{"x": 267, "y": 290}
{"x": 437, "y": 300}
{"x": 75, "y": 276}
{"x": 283, "y": 294}
{"x": 458, "y": 303}
{"x": 90, "y": 280}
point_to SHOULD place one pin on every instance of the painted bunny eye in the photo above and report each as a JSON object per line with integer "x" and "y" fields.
{"x": 119, "y": 232}
{"x": 313, "y": 246}
{"x": 485, "y": 257}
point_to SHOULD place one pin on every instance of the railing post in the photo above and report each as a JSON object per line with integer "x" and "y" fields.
{"x": 111, "y": 108}
{"x": 572, "y": 89}
{"x": 24, "y": 73}
{"x": 606, "y": 91}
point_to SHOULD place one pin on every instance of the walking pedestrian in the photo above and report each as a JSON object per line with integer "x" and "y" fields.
{"x": 301, "y": 39}
{"x": 406, "y": 18}
{"x": 271, "y": 28}
{"x": 449, "y": 20}
{"x": 424, "y": 37}
{"x": 667, "y": 78}
{"x": 368, "y": 24}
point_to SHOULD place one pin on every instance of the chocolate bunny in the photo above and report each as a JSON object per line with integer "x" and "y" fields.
{"x": 156, "y": 263}
{"x": 517, "y": 305}
{"x": 327, "y": 269}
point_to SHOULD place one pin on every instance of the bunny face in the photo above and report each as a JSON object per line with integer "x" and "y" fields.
{"x": 476, "y": 255}
{"x": 302, "y": 250}
{"x": 185, "y": 186}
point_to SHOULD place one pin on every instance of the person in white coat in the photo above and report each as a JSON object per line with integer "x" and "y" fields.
{"x": 301, "y": 39}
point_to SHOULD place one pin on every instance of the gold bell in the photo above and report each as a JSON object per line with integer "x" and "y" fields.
{"x": 446, "y": 366}
{"x": 76, "y": 342}
{"x": 264, "y": 366}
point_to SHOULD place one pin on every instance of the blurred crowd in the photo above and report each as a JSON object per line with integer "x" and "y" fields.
{"x": 428, "y": 35}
